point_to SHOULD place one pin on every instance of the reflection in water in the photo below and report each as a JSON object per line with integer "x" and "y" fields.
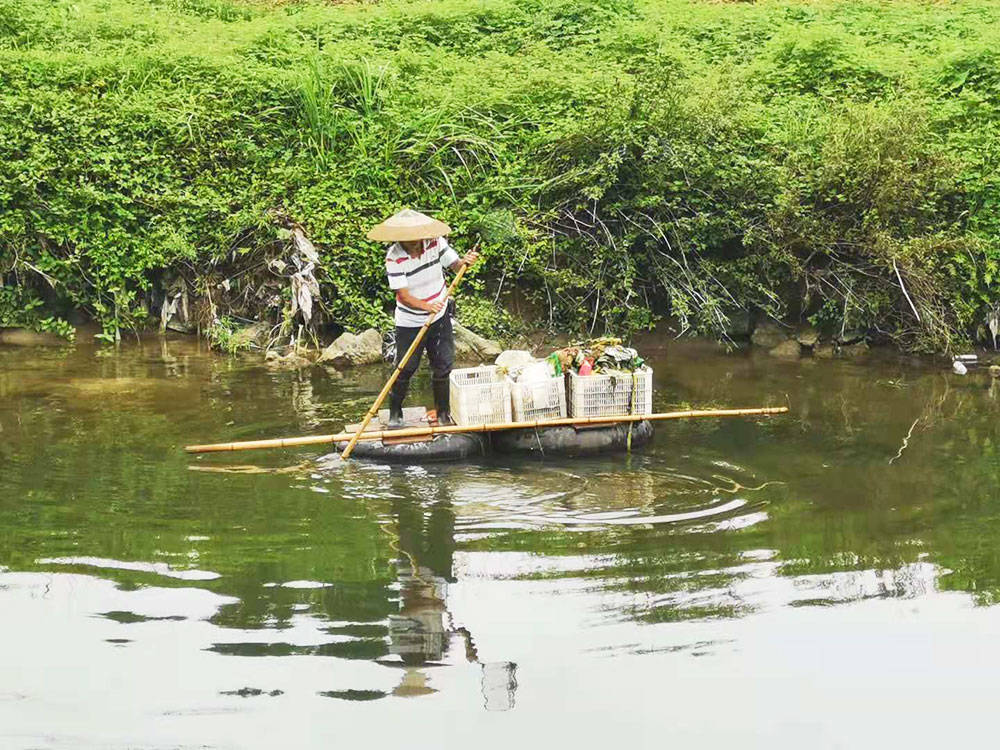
{"x": 187, "y": 574}
{"x": 499, "y": 685}
{"x": 423, "y": 632}
{"x": 418, "y": 634}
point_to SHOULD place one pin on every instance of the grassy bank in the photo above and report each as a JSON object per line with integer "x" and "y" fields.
{"x": 832, "y": 162}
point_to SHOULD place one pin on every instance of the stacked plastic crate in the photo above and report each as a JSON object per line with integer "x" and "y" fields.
{"x": 487, "y": 395}
{"x": 610, "y": 394}
{"x": 480, "y": 395}
{"x": 541, "y": 399}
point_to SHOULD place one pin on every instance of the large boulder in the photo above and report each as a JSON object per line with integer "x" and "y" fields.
{"x": 768, "y": 335}
{"x": 251, "y": 336}
{"x": 789, "y": 349}
{"x": 852, "y": 351}
{"x": 808, "y": 337}
{"x": 851, "y": 336}
{"x": 24, "y": 337}
{"x": 291, "y": 361}
{"x": 350, "y": 350}
{"x": 471, "y": 347}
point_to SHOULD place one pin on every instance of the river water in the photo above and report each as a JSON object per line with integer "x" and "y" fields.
{"x": 823, "y": 579}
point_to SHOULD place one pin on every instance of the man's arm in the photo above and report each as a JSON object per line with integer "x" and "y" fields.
{"x": 450, "y": 259}
{"x": 415, "y": 303}
{"x": 467, "y": 260}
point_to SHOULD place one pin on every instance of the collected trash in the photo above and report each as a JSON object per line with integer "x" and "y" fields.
{"x": 595, "y": 378}
{"x": 962, "y": 362}
{"x": 537, "y": 391}
{"x": 512, "y": 359}
{"x": 534, "y": 372}
{"x": 599, "y": 356}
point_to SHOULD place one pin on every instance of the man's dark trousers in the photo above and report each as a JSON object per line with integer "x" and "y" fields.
{"x": 440, "y": 345}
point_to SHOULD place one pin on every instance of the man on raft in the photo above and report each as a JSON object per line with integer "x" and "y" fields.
{"x": 414, "y": 266}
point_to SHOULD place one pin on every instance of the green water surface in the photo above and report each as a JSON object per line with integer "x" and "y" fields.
{"x": 824, "y": 579}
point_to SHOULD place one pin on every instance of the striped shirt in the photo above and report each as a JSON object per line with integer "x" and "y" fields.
{"x": 422, "y": 276}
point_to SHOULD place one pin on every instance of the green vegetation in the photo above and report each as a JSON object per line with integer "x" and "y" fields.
{"x": 19, "y": 308}
{"x": 223, "y": 335}
{"x": 808, "y": 161}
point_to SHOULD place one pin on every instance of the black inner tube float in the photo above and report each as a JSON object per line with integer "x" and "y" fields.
{"x": 556, "y": 441}
{"x": 453, "y": 446}
{"x": 570, "y": 441}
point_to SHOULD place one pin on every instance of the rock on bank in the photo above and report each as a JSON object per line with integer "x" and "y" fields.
{"x": 351, "y": 350}
{"x": 365, "y": 348}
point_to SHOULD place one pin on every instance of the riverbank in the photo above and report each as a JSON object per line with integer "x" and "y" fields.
{"x": 826, "y": 163}
{"x": 355, "y": 356}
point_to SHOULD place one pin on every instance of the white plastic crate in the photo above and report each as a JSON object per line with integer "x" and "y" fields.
{"x": 610, "y": 394}
{"x": 543, "y": 399}
{"x": 479, "y": 395}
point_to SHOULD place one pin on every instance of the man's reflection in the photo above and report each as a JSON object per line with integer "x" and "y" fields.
{"x": 423, "y": 632}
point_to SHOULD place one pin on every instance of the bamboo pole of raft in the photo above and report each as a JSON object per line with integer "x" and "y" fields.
{"x": 429, "y": 431}
{"x": 402, "y": 363}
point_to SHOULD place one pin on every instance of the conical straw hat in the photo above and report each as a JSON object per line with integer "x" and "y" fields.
{"x": 408, "y": 225}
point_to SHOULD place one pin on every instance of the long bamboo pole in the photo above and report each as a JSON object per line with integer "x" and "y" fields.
{"x": 399, "y": 368}
{"x": 445, "y": 430}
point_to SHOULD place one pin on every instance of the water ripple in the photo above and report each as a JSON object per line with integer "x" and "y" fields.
{"x": 161, "y": 569}
{"x": 699, "y": 498}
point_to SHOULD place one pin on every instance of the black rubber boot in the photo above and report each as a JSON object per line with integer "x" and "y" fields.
{"x": 396, "y": 397}
{"x": 442, "y": 401}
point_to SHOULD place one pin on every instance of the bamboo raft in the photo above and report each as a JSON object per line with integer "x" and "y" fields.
{"x": 430, "y": 432}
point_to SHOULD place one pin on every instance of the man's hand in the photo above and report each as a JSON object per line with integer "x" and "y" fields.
{"x": 433, "y": 307}
{"x": 470, "y": 257}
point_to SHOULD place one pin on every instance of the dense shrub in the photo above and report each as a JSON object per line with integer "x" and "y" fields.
{"x": 832, "y": 162}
